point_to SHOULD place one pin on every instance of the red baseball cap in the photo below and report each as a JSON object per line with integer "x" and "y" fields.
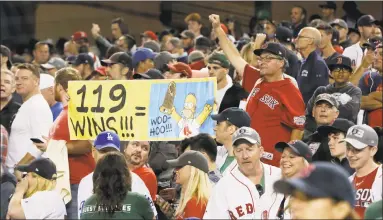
{"x": 101, "y": 70}
{"x": 181, "y": 68}
{"x": 150, "y": 34}
{"x": 79, "y": 35}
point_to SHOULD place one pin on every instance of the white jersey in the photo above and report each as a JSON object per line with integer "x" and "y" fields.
{"x": 376, "y": 189}
{"x": 242, "y": 201}
{"x": 85, "y": 190}
{"x": 355, "y": 53}
{"x": 270, "y": 203}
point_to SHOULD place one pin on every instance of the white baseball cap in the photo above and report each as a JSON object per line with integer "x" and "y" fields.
{"x": 46, "y": 81}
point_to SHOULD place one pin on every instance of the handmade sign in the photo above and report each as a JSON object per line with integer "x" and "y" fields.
{"x": 151, "y": 110}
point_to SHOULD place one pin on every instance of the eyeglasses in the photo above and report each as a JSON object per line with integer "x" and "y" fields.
{"x": 268, "y": 58}
{"x": 340, "y": 70}
{"x": 304, "y": 37}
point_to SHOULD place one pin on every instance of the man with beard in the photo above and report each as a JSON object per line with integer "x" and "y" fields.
{"x": 137, "y": 153}
{"x": 366, "y": 26}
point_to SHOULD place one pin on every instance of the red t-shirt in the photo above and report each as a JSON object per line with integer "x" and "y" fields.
{"x": 194, "y": 209}
{"x": 147, "y": 175}
{"x": 275, "y": 109}
{"x": 363, "y": 190}
{"x": 79, "y": 165}
{"x": 250, "y": 76}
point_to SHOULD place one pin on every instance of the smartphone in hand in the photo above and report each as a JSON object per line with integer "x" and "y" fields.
{"x": 36, "y": 140}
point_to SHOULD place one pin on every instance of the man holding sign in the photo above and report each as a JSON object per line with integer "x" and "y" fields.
{"x": 79, "y": 155}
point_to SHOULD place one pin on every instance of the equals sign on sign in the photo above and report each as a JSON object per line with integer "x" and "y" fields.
{"x": 138, "y": 108}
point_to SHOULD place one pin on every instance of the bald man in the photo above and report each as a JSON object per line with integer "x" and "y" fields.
{"x": 313, "y": 72}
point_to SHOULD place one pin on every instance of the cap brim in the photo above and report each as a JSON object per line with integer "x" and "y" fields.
{"x": 326, "y": 100}
{"x": 47, "y": 66}
{"x": 333, "y": 66}
{"x": 109, "y": 145}
{"x": 108, "y": 61}
{"x": 252, "y": 141}
{"x": 280, "y": 146}
{"x": 216, "y": 117}
{"x": 141, "y": 76}
{"x": 173, "y": 163}
{"x": 355, "y": 143}
{"x": 297, "y": 184}
{"x": 23, "y": 168}
{"x": 258, "y": 52}
{"x": 325, "y": 130}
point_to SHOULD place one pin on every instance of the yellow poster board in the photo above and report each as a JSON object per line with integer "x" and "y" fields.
{"x": 151, "y": 110}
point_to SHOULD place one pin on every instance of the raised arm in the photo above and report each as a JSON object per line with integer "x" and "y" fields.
{"x": 227, "y": 46}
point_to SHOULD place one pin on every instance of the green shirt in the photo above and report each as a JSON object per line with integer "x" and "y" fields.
{"x": 135, "y": 206}
{"x": 374, "y": 210}
{"x": 228, "y": 161}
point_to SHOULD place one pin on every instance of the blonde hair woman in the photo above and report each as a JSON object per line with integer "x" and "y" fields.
{"x": 192, "y": 174}
{"x": 34, "y": 197}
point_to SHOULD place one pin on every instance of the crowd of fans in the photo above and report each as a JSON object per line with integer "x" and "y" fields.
{"x": 298, "y": 130}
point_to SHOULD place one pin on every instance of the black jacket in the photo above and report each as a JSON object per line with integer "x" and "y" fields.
{"x": 233, "y": 96}
{"x": 7, "y": 114}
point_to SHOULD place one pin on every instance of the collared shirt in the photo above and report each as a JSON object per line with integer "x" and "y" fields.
{"x": 7, "y": 114}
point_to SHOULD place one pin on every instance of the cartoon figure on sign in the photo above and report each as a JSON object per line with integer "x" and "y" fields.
{"x": 187, "y": 122}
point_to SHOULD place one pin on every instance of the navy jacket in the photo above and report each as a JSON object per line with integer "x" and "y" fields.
{"x": 312, "y": 74}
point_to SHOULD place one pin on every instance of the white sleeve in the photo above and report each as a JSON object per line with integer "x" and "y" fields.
{"x": 44, "y": 205}
{"x": 377, "y": 186}
{"x": 139, "y": 187}
{"x": 349, "y": 52}
{"x": 83, "y": 194}
{"x": 217, "y": 207}
{"x": 40, "y": 121}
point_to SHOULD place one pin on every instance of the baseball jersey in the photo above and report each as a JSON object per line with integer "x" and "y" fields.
{"x": 368, "y": 189}
{"x": 85, "y": 190}
{"x": 243, "y": 201}
{"x": 275, "y": 108}
{"x": 355, "y": 53}
{"x": 372, "y": 82}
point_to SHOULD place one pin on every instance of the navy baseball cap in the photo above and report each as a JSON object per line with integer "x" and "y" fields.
{"x": 83, "y": 58}
{"x": 339, "y": 125}
{"x": 340, "y": 62}
{"x": 43, "y": 167}
{"x": 299, "y": 147}
{"x": 234, "y": 115}
{"x": 150, "y": 74}
{"x": 142, "y": 54}
{"x": 107, "y": 139}
{"x": 366, "y": 20}
{"x": 320, "y": 180}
